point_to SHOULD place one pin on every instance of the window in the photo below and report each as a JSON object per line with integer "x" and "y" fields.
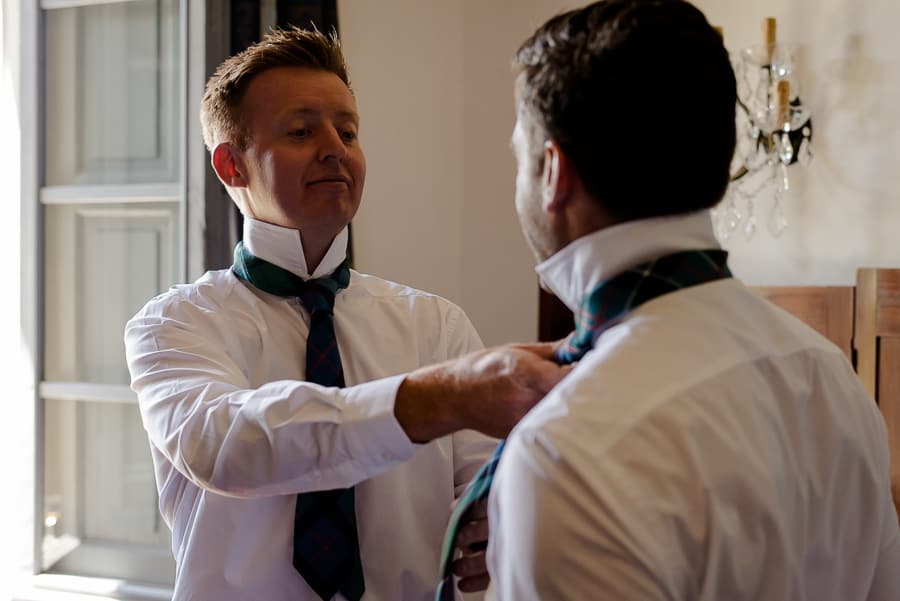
{"x": 127, "y": 206}
{"x": 114, "y": 235}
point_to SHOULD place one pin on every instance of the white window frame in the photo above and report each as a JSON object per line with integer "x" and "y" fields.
{"x": 201, "y": 51}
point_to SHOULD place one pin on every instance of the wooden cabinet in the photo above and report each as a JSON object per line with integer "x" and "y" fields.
{"x": 877, "y": 343}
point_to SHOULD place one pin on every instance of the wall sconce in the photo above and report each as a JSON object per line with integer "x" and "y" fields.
{"x": 774, "y": 130}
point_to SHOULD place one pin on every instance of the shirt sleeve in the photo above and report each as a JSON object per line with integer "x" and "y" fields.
{"x": 284, "y": 437}
{"x": 545, "y": 542}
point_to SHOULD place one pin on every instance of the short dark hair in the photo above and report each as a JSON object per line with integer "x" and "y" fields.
{"x": 640, "y": 94}
{"x": 291, "y": 47}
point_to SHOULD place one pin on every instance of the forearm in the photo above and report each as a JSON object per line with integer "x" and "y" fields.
{"x": 425, "y": 405}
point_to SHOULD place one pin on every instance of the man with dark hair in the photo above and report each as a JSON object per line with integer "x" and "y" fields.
{"x": 707, "y": 445}
{"x": 292, "y": 462}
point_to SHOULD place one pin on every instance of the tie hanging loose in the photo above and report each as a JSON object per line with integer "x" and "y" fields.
{"x": 326, "y": 543}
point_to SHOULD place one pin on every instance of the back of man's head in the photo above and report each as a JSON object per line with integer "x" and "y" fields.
{"x": 220, "y": 112}
{"x": 640, "y": 94}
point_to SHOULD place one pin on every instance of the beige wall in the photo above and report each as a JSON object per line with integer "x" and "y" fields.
{"x": 433, "y": 81}
{"x": 434, "y": 86}
{"x": 406, "y": 66}
{"x": 845, "y": 209}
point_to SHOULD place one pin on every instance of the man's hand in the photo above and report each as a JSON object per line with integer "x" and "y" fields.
{"x": 471, "y": 568}
{"x": 488, "y": 391}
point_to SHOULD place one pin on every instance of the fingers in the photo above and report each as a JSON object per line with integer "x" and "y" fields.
{"x": 544, "y": 350}
{"x": 478, "y": 511}
{"x": 471, "y": 568}
{"x": 472, "y": 533}
{"x": 543, "y": 376}
{"x": 474, "y": 583}
{"x": 472, "y": 573}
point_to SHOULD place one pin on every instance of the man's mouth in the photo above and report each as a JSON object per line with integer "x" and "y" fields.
{"x": 331, "y": 179}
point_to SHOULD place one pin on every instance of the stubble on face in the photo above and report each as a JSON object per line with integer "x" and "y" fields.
{"x": 533, "y": 218}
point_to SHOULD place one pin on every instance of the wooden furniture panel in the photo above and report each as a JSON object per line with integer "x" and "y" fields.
{"x": 827, "y": 309}
{"x": 555, "y": 321}
{"x": 877, "y": 344}
{"x": 889, "y": 395}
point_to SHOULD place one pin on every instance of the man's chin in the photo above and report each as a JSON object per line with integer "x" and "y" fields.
{"x": 540, "y": 254}
{"x": 325, "y": 228}
{"x": 325, "y": 224}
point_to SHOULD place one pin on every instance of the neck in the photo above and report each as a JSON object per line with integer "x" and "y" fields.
{"x": 316, "y": 245}
{"x": 287, "y": 248}
{"x": 316, "y": 242}
{"x": 314, "y": 254}
{"x": 582, "y": 217}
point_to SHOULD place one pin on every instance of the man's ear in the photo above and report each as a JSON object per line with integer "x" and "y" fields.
{"x": 557, "y": 178}
{"x": 226, "y": 160}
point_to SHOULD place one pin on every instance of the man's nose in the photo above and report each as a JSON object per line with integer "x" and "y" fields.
{"x": 331, "y": 144}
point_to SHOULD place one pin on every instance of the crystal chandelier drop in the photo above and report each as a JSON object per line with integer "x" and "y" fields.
{"x": 773, "y": 132}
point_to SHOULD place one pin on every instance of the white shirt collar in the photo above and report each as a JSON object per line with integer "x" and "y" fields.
{"x": 281, "y": 246}
{"x": 578, "y": 267}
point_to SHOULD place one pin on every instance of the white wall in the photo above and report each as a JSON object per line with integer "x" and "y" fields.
{"x": 845, "y": 209}
{"x": 406, "y": 67}
{"x": 499, "y": 287}
{"x": 434, "y": 86}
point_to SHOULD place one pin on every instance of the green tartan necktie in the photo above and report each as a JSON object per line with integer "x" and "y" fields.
{"x": 602, "y": 308}
{"x": 326, "y": 546}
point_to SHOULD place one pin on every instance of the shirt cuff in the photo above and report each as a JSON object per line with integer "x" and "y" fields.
{"x": 377, "y": 437}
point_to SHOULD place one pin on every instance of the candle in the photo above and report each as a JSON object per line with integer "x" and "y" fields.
{"x": 783, "y": 104}
{"x": 769, "y": 35}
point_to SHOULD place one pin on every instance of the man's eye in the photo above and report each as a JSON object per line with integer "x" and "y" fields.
{"x": 348, "y": 135}
{"x": 301, "y": 133}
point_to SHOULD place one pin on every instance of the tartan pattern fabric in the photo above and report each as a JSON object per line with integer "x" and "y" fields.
{"x": 614, "y": 298}
{"x": 601, "y": 309}
{"x": 326, "y": 545}
{"x": 477, "y": 489}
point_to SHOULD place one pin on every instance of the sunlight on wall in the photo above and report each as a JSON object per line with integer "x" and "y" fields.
{"x": 17, "y": 425}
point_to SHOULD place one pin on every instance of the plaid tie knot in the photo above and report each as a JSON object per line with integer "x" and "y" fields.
{"x": 317, "y": 298}
{"x": 281, "y": 282}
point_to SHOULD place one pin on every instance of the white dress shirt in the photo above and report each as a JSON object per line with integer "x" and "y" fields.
{"x": 235, "y": 432}
{"x": 710, "y": 447}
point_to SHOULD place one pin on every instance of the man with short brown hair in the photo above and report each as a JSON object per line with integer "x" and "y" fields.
{"x": 708, "y": 445}
{"x": 296, "y": 459}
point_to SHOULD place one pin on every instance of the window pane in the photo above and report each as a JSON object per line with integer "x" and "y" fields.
{"x": 112, "y": 82}
{"x": 100, "y": 504}
{"x": 102, "y": 263}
